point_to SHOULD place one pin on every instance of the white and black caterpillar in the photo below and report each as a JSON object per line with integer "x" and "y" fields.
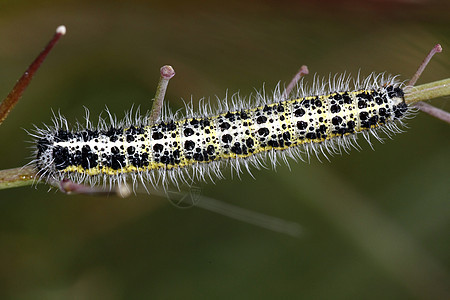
{"x": 323, "y": 119}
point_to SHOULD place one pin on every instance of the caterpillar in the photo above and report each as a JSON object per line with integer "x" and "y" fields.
{"x": 325, "y": 118}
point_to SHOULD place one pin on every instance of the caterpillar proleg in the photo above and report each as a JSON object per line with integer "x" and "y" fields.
{"x": 324, "y": 118}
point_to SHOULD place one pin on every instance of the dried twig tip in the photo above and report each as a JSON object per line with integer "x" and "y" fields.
{"x": 304, "y": 70}
{"x": 61, "y": 30}
{"x": 436, "y": 49}
{"x": 167, "y": 72}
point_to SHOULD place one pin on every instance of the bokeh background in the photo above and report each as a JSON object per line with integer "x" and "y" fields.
{"x": 375, "y": 224}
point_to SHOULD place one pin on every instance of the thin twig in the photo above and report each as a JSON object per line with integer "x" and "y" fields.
{"x": 436, "y": 49}
{"x": 167, "y": 72}
{"x": 13, "y": 97}
{"x": 434, "y": 111}
{"x": 69, "y": 187}
{"x": 302, "y": 72}
{"x": 428, "y": 108}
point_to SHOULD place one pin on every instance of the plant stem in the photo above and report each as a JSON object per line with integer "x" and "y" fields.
{"x": 428, "y": 91}
{"x": 17, "y": 177}
{"x": 13, "y": 97}
{"x": 167, "y": 72}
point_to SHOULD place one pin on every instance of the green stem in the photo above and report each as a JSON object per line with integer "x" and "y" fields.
{"x": 17, "y": 177}
{"x": 428, "y": 91}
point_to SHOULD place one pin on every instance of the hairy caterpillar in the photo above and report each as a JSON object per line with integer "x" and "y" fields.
{"x": 325, "y": 118}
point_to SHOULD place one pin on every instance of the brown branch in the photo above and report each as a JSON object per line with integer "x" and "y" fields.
{"x": 13, "y": 97}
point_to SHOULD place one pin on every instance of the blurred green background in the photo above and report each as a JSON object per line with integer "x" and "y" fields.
{"x": 376, "y": 223}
